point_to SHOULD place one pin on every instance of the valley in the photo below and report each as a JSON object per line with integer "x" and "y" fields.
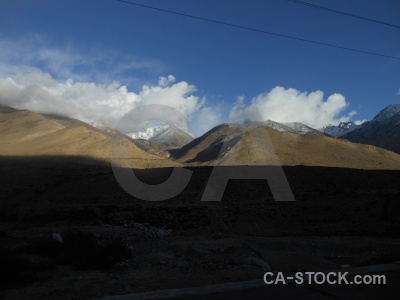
{"x": 57, "y": 183}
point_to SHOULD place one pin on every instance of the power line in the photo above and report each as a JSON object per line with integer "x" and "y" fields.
{"x": 342, "y": 13}
{"x": 257, "y": 30}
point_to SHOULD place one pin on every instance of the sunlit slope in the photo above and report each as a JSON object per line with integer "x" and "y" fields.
{"x": 26, "y": 133}
{"x": 238, "y": 145}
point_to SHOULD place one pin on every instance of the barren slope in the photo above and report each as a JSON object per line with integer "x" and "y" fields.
{"x": 26, "y": 133}
{"x": 236, "y": 145}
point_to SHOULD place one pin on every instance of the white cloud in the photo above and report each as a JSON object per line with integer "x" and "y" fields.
{"x": 398, "y": 92}
{"x": 98, "y": 84}
{"x": 359, "y": 122}
{"x": 291, "y": 105}
{"x": 237, "y": 111}
{"x": 164, "y": 81}
{"x": 91, "y": 84}
{"x": 88, "y": 101}
{"x": 178, "y": 95}
{"x": 207, "y": 118}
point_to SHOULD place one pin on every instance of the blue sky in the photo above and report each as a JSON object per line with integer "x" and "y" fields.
{"x": 91, "y": 58}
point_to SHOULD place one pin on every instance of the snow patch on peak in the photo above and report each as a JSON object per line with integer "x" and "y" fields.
{"x": 148, "y": 133}
{"x": 337, "y": 130}
{"x": 166, "y": 134}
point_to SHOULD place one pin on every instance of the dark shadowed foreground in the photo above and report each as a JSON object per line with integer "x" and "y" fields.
{"x": 116, "y": 244}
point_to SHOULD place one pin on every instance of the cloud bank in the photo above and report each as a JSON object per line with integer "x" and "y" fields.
{"x": 291, "y": 105}
{"x": 90, "y": 85}
{"x": 102, "y": 85}
{"x": 88, "y": 101}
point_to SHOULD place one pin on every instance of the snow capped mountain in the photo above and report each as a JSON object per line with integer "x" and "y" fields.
{"x": 294, "y": 127}
{"x": 346, "y": 127}
{"x": 168, "y": 135}
{"x": 338, "y": 130}
{"x": 148, "y": 133}
{"x": 382, "y": 131}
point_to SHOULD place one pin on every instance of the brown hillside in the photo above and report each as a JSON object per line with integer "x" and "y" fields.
{"x": 243, "y": 146}
{"x": 26, "y": 133}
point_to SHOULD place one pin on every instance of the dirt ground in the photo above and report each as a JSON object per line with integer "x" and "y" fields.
{"x": 342, "y": 217}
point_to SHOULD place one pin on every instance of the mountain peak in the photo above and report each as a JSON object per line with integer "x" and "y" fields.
{"x": 338, "y": 130}
{"x": 166, "y": 134}
{"x": 293, "y": 127}
{"x": 388, "y": 112}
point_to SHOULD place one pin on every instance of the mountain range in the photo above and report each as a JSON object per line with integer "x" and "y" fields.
{"x": 26, "y": 133}
{"x": 235, "y": 144}
{"x": 338, "y": 130}
{"x": 382, "y": 131}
